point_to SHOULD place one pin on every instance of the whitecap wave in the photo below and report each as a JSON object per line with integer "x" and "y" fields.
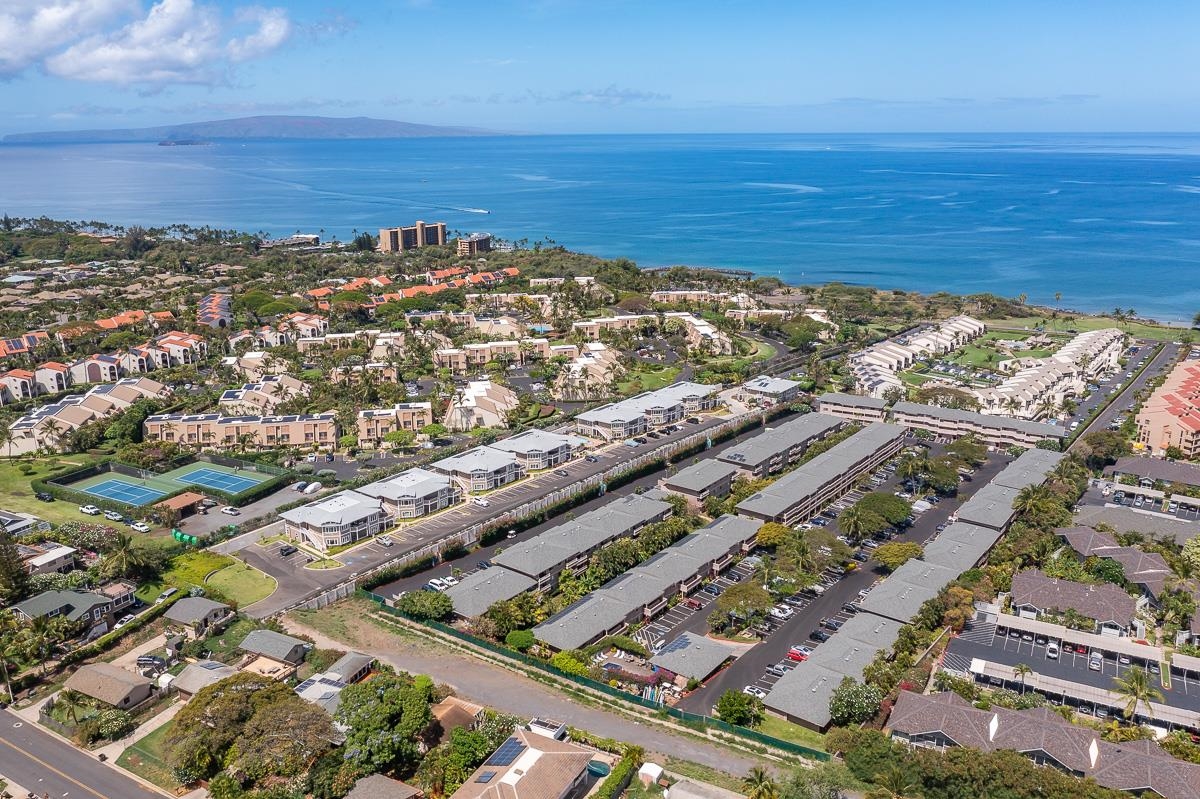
{"x": 799, "y": 188}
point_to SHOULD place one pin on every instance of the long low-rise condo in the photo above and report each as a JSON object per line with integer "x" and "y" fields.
{"x": 800, "y": 494}
{"x": 777, "y": 447}
{"x": 215, "y": 430}
{"x": 853, "y": 407}
{"x": 647, "y": 411}
{"x": 698, "y": 482}
{"x": 568, "y": 545}
{"x": 337, "y": 520}
{"x": 538, "y": 449}
{"x": 481, "y": 469}
{"x": 997, "y": 431}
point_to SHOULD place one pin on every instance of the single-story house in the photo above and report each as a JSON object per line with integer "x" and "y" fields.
{"x": 199, "y": 614}
{"x": 111, "y": 685}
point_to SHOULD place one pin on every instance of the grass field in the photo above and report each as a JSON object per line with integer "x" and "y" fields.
{"x": 16, "y": 494}
{"x": 786, "y": 731}
{"x": 1085, "y": 323}
{"x": 244, "y": 584}
{"x": 147, "y": 759}
{"x": 649, "y": 377}
{"x": 186, "y": 570}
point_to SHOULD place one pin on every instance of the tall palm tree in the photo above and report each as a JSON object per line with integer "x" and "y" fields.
{"x": 1135, "y": 688}
{"x": 1021, "y": 671}
{"x": 6, "y": 438}
{"x": 1032, "y": 498}
{"x": 123, "y": 558}
{"x": 853, "y": 522}
{"x": 10, "y": 648}
{"x": 913, "y": 467}
{"x": 894, "y": 783}
{"x": 759, "y": 784}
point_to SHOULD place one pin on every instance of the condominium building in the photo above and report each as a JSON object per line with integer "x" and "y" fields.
{"x": 800, "y": 494}
{"x": 255, "y": 365}
{"x": 698, "y": 482}
{"x": 1039, "y": 386}
{"x": 481, "y": 403}
{"x": 853, "y": 408}
{"x": 262, "y": 397}
{"x": 215, "y": 430}
{"x": 776, "y": 448}
{"x": 997, "y": 431}
{"x": 538, "y": 449}
{"x": 414, "y": 493}
{"x": 700, "y": 334}
{"x": 482, "y": 468}
{"x": 474, "y": 244}
{"x": 47, "y": 426}
{"x": 375, "y": 423}
{"x": 401, "y": 239}
{"x": 1171, "y": 416}
{"x": 875, "y": 367}
{"x": 470, "y": 357}
{"x": 338, "y": 520}
{"x": 647, "y": 411}
{"x": 215, "y": 311}
{"x": 589, "y": 373}
{"x": 767, "y": 390}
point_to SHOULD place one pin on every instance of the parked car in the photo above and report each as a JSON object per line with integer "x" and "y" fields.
{"x": 44, "y": 497}
{"x": 819, "y": 635}
{"x": 831, "y": 624}
{"x": 591, "y": 459}
{"x": 165, "y": 595}
{"x": 300, "y": 486}
{"x": 755, "y": 691}
{"x": 562, "y": 473}
{"x": 90, "y": 510}
{"x": 781, "y": 612}
{"x": 779, "y": 669}
{"x": 693, "y": 603}
{"x": 436, "y": 584}
{"x": 850, "y": 607}
{"x": 112, "y": 516}
{"x": 385, "y": 540}
{"x": 141, "y": 527}
{"x": 123, "y": 621}
{"x": 229, "y": 510}
{"x": 480, "y": 501}
{"x": 1094, "y": 661}
{"x": 287, "y": 549}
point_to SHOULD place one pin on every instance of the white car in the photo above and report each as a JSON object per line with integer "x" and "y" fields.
{"x": 141, "y": 527}
{"x": 90, "y": 510}
{"x": 112, "y": 516}
{"x": 385, "y": 540}
{"x": 229, "y": 510}
{"x": 437, "y": 584}
{"x": 480, "y": 501}
{"x": 755, "y": 691}
{"x": 782, "y": 612}
{"x": 123, "y": 621}
{"x": 450, "y": 579}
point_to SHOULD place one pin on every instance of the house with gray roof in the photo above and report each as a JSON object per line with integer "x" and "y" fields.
{"x": 112, "y": 685}
{"x": 377, "y": 786}
{"x": 1151, "y": 471}
{"x": 584, "y": 622}
{"x": 413, "y": 493}
{"x": 800, "y": 494}
{"x": 481, "y": 589}
{"x": 701, "y": 480}
{"x": 197, "y": 676}
{"x": 276, "y": 646}
{"x": 990, "y": 506}
{"x": 961, "y": 546}
{"x": 541, "y": 449}
{"x": 341, "y": 519}
{"x": 351, "y": 667}
{"x": 199, "y": 614}
{"x": 1148, "y": 570}
{"x": 1034, "y": 594}
{"x": 90, "y": 608}
{"x": 779, "y": 446}
{"x": 693, "y": 656}
{"x": 482, "y": 468}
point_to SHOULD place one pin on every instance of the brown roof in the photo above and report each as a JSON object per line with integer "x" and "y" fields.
{"x": 105, "y": 682}
{"x": 453, "y": 713}
{"x": 1103, "y": 602}
{"x": 378, "y": 786}
{"x": 1136, "y": 766}
{"x": 544, "y": 769}
{"x": 1148, "y": 569}
{"x": 181, "y": 501}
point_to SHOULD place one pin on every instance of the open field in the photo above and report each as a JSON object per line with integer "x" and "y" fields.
{"x": 1085, "y": 323}
{"x": 648, "y": 378}
{"x": 15, "y": 493}
{"x": 187, "y": 570}
{"x": 147, "y": 759}
{"x": 243, "y": 584}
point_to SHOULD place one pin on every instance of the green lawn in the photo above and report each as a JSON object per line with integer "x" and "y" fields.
{"x": 1085, "y": 323}
{"x": 16, "y": 493}
{"x": 975, "y": 356}
{"x": 786, "y": 731}
{"x": 147, "y": 759}
{"x": 647, "y": 378}
{"x": 243, "y": 584}
{"x": 914, "y": 379}
{"x": 762, "y": 350}
{"x": 187, "y": 570}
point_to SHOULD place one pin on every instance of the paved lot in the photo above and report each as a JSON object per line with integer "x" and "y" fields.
{"x": 1124, "y": 403}
{"x": 751, "y": 668}
{"x": 980, "y": 640}
{"x": 296, "y": 582}
{"x": 44, "y": 764}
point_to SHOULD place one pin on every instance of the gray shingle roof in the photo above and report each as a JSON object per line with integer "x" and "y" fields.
{"x": 272, "y": 644}
{"x": 197, "y": 676}
{"x": 532, "y": 441}
{"x": 1023, "y": 426}
{"x": 853, "y": 400}
{"x": 904, "y": 591}
{"x": 991, "y": 506}
{"x": 77, "y": 604}
{"x": 479, "y": 590}
{"x": 1158, "y": 469}
{"x": 693, "y": 655}
{"x": 348, "y": 665}
{"x": 1031, "y": 468}
{"x": 960, "y": 546}
{"x": 582, "y": 623}
{"x": 1103, "y": 602}
{"x": 411, "y": 483}
{"x": 700, "y": 476}
{"x": 192, "y": 609}
{"x": 773, "y": 442}
{"x": 344, "y": 507}
{"x": 765, "y": 384}
{"x": 480, "y": 459}
{"x": 1124, "y": 520}
{"x": 106, "y": 682}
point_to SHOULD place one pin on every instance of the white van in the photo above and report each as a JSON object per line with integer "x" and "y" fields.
{"x": 1052, "y": 650}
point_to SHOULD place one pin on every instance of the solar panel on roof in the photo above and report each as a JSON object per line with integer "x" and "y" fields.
{"x": 506, "y": 754}
{"x": 485, "y": 777}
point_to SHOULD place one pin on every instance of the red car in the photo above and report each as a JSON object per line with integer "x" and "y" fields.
{"x": 693, "y": 603}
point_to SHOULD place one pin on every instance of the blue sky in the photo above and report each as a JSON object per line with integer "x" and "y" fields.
{"x": 561, "y": 66}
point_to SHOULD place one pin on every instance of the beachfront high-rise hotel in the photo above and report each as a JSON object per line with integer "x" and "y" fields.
{"x": 402, "y": 239}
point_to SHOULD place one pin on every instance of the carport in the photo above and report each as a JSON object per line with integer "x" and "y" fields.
{"x": 184, "y": 504}
{"x": 1104, "y": 643}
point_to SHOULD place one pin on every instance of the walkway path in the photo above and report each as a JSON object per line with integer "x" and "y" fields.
{"x": 517, "y": 694}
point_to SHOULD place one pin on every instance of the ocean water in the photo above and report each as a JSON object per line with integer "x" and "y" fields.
{"x": 1108, "y": 221}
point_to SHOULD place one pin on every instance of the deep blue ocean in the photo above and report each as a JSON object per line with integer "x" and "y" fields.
{"x": 1105, "y": 220}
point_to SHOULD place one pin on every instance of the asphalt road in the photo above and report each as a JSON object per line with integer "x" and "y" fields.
{"x": 1124, "y": 401}
{"x": 297, "y": 582}
{"x": 41, "y": 763}
{"x": 751, "y": 668}
{"x": 471, "y": 562}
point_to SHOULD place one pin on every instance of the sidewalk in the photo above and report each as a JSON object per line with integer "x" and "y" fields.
{"x": 113, "y": 750}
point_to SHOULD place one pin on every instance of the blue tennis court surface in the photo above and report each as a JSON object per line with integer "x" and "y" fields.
{"x": 221, "y": 481}
{"x": 128, "y": 493}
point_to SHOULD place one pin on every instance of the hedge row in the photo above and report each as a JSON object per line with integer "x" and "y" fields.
{"x": 396, "y": 573}
{"x": 618, "y": 779}
{"x": 101, "y": 644}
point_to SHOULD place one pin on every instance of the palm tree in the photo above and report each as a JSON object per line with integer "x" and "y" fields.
{"x": 853, "y": 522}
{"x": 894, "y": 783}
{"x": 1032, "y": 498}
{"x": 6, "y": 438}
{"x": 1021, "y": 671}
{"x": 759, "y": 784}
{"x": 123, "y": 558}
{"x": 10, "y": 648}
{"x": 1135, "y": 688}
{"x": 913, "y": 467}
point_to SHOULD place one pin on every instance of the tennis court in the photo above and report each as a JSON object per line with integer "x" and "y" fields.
{"x": 216, "y": 477}
{"x": 119, "y": 490}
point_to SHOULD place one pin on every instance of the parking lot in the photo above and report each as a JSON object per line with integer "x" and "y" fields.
{"x": 989, "y": 642}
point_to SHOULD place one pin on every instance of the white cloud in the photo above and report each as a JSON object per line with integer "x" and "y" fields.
{"x": 32, "y": 29}
{"x": 177, "y": 41}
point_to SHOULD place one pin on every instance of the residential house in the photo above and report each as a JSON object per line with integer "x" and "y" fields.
{"x": 1035, "y": 594}
{"x": 95, "y": 369}
{"x": 197, "y": 676}
{"x": 110, "y": 684}
{"x": 215, "y": 311}
{"x": 47, "y": 558}
{"x": 52, "y": 377}
{"x": 413, "y": 493}
{"x": 15, "y": 524}
{"x": 90, "y": 609}
{"x": 200, "y": 615}
{"x": 276, "y": 646}
{"x": 453, "y": 713}
{"x": 377, "y": 786}
{"x": 529, "y": 765}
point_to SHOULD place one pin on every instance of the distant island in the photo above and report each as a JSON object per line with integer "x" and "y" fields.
{"x": 260, "y": 127}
